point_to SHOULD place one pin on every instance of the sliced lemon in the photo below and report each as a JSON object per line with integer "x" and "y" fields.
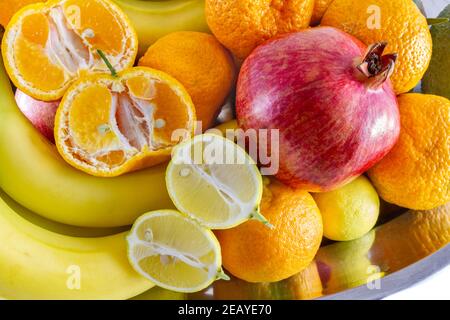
{"x": 174, "y": 252}
{"x": 215, "y": 182}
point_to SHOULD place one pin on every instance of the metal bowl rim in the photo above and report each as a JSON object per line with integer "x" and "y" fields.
{"x": 399, "y": 280}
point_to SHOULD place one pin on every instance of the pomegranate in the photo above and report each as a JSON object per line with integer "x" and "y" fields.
{"x": 331, "y": 99}
{"x": 41, "y": 114}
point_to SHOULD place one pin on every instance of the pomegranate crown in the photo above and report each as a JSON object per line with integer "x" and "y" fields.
{"x": 376, "y": 67}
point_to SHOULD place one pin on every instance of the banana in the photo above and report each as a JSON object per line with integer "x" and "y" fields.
{"x": 154, "y": 19}
{"x": 56, "y": 227}
{"x": 36, "y": 263}
{"x": 33, "y": 174}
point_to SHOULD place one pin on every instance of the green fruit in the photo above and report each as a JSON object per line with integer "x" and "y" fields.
{"x": 349, "y": 212}
{"x": 437, "y": 78}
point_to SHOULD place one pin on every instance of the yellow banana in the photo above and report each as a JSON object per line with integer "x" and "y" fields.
{"x": 39, "y": 264}
{"x": 154, "y": 19}
{"x": 33, "y": 174}
{"x": 56, "y": 227}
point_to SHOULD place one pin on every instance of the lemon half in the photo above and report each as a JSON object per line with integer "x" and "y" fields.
{"x": 214, "y": 181}
{"x": 174, "y": 252}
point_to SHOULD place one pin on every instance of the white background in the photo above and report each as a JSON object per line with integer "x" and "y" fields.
{"x": 436, "y": 287}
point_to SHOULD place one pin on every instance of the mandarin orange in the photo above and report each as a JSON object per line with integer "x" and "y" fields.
{"x": 201, "y": 64}
{"x": 109, "y": 125}
{"x": 399, "y": 23}
{"x": 416, "y": 172}
{"x": 47, "y": 46}
{"x": 255, "y": 253}
{"x": 242, "y": 25}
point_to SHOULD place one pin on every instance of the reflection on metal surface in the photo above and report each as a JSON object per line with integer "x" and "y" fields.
{"x": 340, "y": 266}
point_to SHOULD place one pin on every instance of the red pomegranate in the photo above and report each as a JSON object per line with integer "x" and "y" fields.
{"x": 331, "y": 99}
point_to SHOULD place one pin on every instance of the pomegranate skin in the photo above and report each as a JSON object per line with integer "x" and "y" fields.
{"x": 333, "y": 126}
{"x": 40, "y": 113}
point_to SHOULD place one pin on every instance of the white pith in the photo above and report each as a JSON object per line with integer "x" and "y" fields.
{"x": 239, "y": 210}
{"x": 65, "y": 47}
{"x": 170, "y": 255}
{"x": 69, "y": 49}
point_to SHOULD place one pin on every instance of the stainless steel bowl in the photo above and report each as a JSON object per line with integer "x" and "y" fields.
{"x": 392, "y": 257}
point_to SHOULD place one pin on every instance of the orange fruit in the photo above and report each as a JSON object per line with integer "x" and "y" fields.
{"x": 242, "y": 25}
{"x": 400, "y": 23}
{"x": 47, "y": 46}
{"x": 109, "y": 125}
{"x": 416, "y": 173}
{"x": 201, "y": 64}
{"x": 320, "y": 6}
{"x": 255, "y": 253}
{"x": 9, "y": 7}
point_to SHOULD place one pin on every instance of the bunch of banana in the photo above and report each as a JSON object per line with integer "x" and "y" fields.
{"x": 36, "y": 263}
{"x": 154, "y": 19}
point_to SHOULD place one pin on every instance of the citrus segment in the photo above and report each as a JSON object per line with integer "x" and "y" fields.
{"x": 140, "y": 88}
{"x": 174, "y": 252}
{"x": 90, "y": 111}
{"x": 109, "y": 32}
{"x": 35, "y": 29}
{"x": 46, "y": 47}
{"x": 106, "y": 129}
{"x": 9, "y": 7}
{"x": 214, "y": 181}
{"x": 53, "y": 77}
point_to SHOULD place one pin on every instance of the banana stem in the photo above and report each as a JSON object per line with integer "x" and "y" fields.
{"x": 108, "y": 64}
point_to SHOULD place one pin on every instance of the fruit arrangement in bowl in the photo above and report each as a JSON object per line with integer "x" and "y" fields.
{"x": 118, "y": 172}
